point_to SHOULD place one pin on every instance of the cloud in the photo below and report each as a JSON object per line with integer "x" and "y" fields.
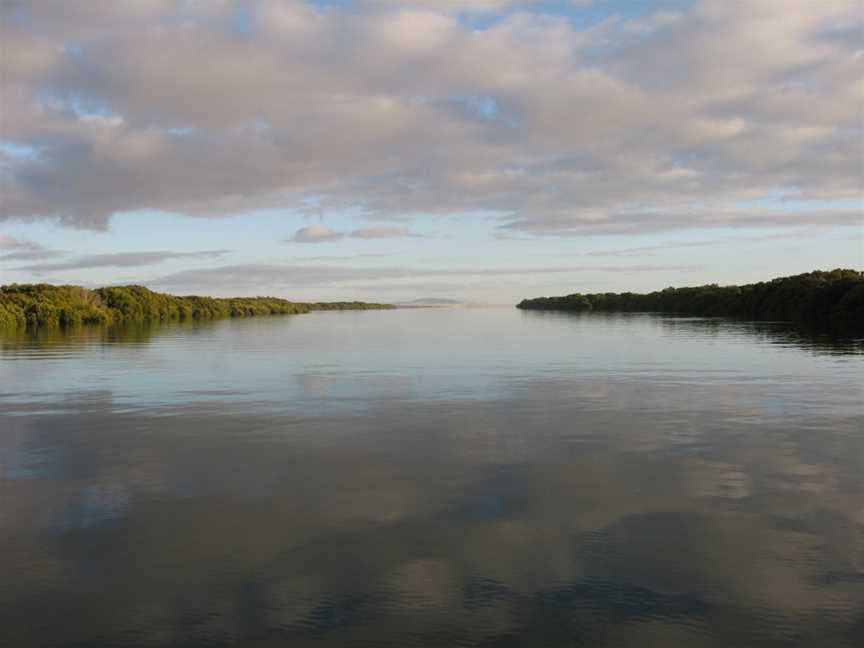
{"x": 119, "y": 260}
{"x": 14, "y": 249}
{"x": 323, "y": 234}
{"x": 315, "y": 234}
{"x": 651, "y": 250}
{"x": 586, "y": 222}
{"x": 480, "y": 6}
{"x": 381, "y": 233}
{"x": 344, "y": 257}
{"x": 624, "y": 126}
{"x": 292, "y": 276}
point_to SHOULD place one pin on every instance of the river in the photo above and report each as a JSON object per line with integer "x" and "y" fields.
{"x": 432, "y": 477}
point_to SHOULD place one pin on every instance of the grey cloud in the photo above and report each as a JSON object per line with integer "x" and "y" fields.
{"x": 647, "y": 250}
{"x": 15, "y": 249}
{"x": 480, "y": 6}
{"x": 408, "y": 112}
{"x": 119, "y": 260}
{"x": 650, "y": 250}
{"x": 414, "y": 287}
{"x": 247, "y": 276}
{"x": 343, "y": 257}
{"x": 381, "y": 233}
{"x": 579, "y": 222}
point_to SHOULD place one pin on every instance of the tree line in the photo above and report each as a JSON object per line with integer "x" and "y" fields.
{"x": 834, "y": 298}
{"x": 46, "y": 305}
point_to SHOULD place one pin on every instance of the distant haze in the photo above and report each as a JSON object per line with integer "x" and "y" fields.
{"x": 434, "y": 301}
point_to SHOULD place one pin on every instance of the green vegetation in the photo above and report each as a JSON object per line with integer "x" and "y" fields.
{"x": 47, "y": 306}
{"x": 830, "y": 298}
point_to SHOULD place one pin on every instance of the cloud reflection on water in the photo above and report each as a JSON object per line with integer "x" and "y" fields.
{"x": 567, "y": 508}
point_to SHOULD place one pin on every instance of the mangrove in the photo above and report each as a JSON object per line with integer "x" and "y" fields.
{"x": 826, "y": 298}
{"x": 49, "y": 306}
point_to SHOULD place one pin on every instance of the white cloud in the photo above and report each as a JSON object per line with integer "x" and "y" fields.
{"x": 323, "y": 234}
{"x": 669, "y": 121}
{"x": 315, "y": 234}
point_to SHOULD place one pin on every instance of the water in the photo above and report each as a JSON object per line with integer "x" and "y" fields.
{"x": 484, "y": 477}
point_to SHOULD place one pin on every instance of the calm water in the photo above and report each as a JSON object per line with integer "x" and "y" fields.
{"x": 482, "y": 477}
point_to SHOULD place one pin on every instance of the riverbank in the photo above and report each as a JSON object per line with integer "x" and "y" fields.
{"x": 832, "y": 298}
{"x": 49, "y": 306}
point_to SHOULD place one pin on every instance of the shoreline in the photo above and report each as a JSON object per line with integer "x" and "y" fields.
{"x": 832, "y": 298}
{"x": 40, "y": 306}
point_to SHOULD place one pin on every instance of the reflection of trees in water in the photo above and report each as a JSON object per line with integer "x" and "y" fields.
{"x": 781, "y": 333}
{"x": 813, "y": 339}
{"x": 133, "y": 333}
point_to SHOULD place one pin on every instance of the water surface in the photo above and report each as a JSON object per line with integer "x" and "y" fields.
{"x": 485, "y": 477}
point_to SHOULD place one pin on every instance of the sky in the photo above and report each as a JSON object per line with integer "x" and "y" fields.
{"x": 480, "y": 150}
